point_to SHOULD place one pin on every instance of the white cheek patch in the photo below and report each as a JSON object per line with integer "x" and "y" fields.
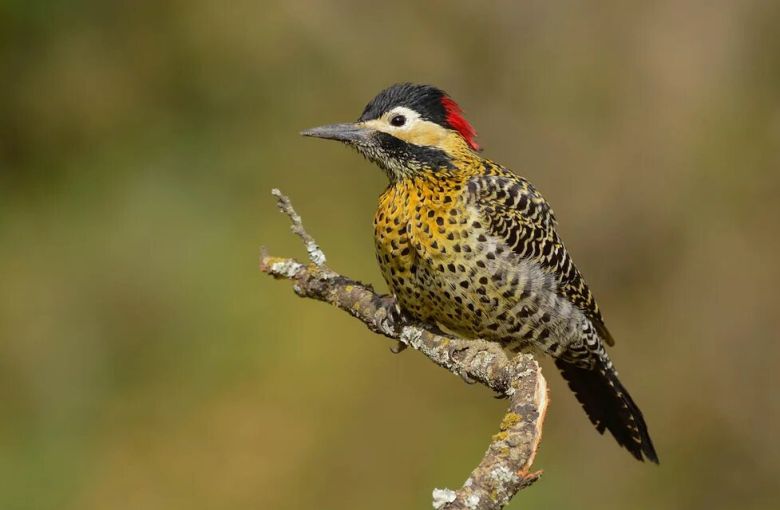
{"x": 415, "y": 130}
{"x": 411, "y": 117}
{"x": 383, "y": 123}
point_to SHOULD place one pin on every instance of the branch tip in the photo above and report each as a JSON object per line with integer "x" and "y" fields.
{"x": 284, "y": 204}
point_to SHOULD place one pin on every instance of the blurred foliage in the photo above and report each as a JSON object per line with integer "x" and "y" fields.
{"x": 144, "y": 362}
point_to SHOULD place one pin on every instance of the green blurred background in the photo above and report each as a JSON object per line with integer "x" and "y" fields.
{"x": 145, "y": 362}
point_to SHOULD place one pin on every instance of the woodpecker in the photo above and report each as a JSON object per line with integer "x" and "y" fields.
{"x": 467, "y": 245}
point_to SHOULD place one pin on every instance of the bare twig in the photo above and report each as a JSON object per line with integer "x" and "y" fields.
{"x": 505, "y": 468}
{"x": 315, "y": 253}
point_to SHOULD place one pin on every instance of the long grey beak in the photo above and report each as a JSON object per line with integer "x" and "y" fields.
{"x": 350, "y": 133}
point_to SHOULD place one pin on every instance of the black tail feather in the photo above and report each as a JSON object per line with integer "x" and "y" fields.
{"x": 610, "y": 407}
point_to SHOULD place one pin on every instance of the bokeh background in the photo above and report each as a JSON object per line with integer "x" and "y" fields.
{"x": 145, "y": 362}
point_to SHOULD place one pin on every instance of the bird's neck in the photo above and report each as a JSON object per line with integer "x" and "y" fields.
{"x": 429, "y": 183}
{"x": 459, "y": 167}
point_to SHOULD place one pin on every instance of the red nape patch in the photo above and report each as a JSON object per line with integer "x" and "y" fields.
{"x": 459, "y": 123}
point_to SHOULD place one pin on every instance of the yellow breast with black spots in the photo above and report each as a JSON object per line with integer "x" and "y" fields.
{"x": 431, "y": 251}
{"x": 417, "y": 229}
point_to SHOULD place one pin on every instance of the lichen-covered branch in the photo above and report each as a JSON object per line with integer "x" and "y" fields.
{"x": 506, "y": 467}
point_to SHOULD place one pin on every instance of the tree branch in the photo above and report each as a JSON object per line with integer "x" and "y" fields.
{"x": 505, "y": 467}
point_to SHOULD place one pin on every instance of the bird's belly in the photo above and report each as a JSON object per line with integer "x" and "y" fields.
{"x": 486, "y": 292}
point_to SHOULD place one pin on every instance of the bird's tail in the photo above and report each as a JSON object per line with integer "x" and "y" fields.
{"x": 609, "y": 406}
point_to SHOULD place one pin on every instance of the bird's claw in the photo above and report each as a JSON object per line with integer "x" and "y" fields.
{"x": 399, "y": 347}
{"x": 452, "y": 352}
{"x": 467, "y": 378}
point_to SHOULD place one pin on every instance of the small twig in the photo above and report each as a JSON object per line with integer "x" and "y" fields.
{"x": 315, "y": 253}
{"x": 505, "y": 468}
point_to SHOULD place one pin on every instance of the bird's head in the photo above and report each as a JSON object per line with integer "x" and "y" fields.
{"x": 407, "y": 129}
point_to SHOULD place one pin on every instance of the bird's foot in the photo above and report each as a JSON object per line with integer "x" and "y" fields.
{"x": 453, "y": 353}
{"x": 467, "y": 378}
{"x": 399, "y": 347}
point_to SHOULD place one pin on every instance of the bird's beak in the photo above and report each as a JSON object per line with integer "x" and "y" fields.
{"x": 349, "y": 133}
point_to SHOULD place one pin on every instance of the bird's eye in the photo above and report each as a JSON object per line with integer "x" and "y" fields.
{"x": 398, "y": 120}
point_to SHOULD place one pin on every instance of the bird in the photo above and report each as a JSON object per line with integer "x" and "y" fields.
{"x": 467, "y": 245}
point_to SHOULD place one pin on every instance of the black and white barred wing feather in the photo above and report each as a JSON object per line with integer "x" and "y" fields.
{"x": 518, "y": 215}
